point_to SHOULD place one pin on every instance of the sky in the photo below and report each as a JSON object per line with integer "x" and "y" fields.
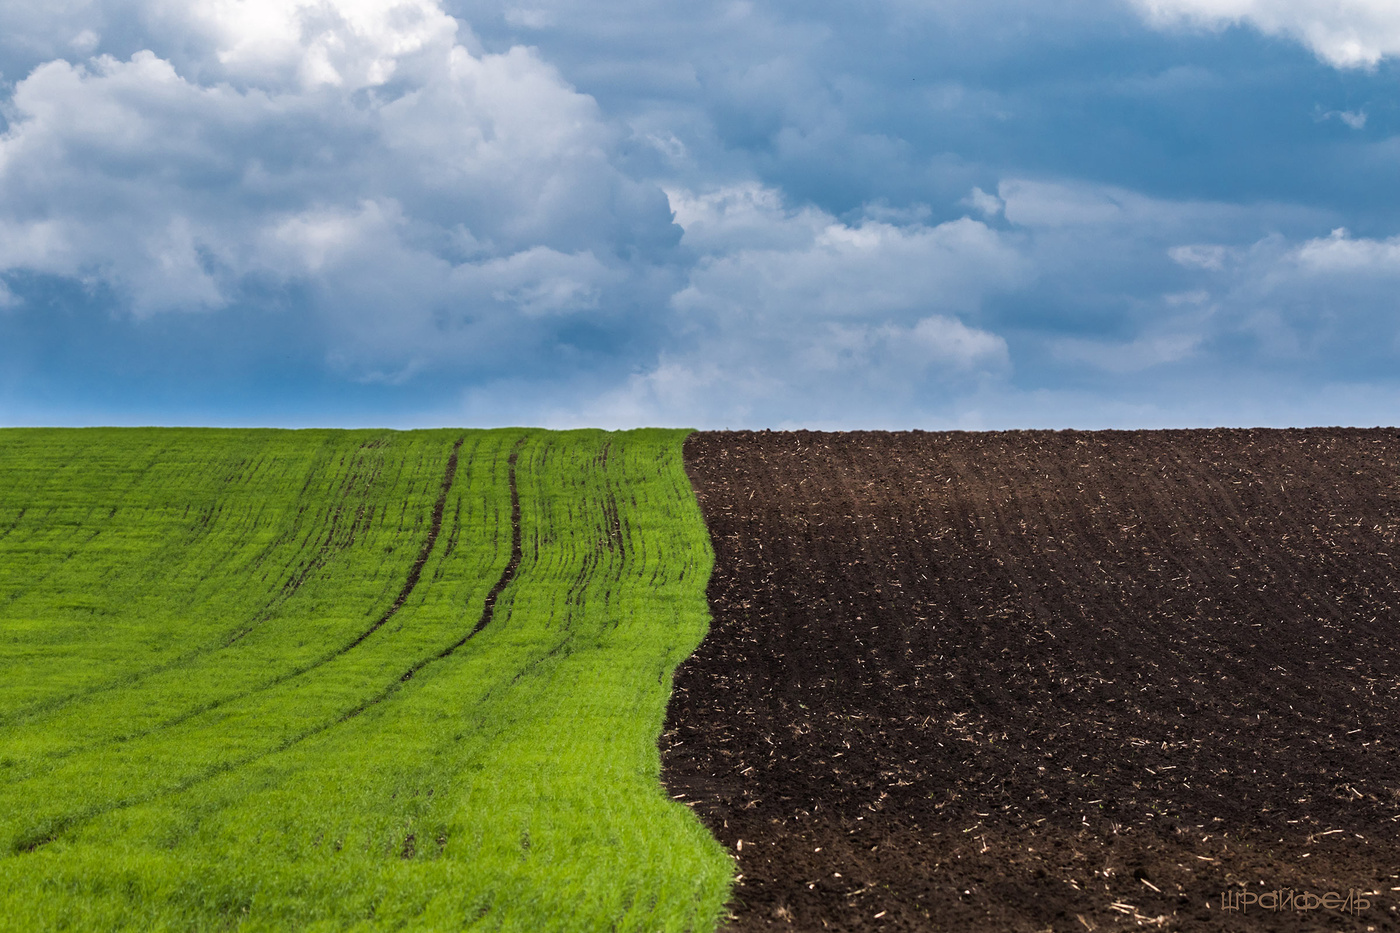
{"x": 901, "y": 214}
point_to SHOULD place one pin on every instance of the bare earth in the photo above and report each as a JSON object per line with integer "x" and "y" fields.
{"x": 1064, "y": 681}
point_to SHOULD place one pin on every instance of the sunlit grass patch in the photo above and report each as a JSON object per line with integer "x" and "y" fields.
{"x": 254, "y": 698}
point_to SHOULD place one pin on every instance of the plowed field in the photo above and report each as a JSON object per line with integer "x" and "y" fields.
{"x": 1048, "y": 681}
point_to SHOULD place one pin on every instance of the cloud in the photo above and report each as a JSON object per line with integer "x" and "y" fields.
{"x": 85, "y": 42}
{"x": 531, "y": 18}
{"x": 1126, "y": 284}
{"x": 1323, "y": 303}
{"x": 1054, "y": 204}
{"x": 1342, "y": 254}
{"x": 434, "y": 205}
{"x": 786, "y": 314}
{"x": 1354, "y": 119}
{"x": 829, "y": 215}
{"x": 1345, "y": 33}
{"x": 988, "y": 205}
{"x": 774, "y": 263}
{"x": 1132, "y": 356}
{"x": 1200, "y": 255}
{"x": 791, "y": 307}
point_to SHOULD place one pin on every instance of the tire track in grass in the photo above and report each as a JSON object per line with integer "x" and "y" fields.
{"x": 26, "y": 846}
{"x": 488, "y": 608}
{"x": 330, "y": 546}
{"x": 410, "y": 583}
{"x": 258, "y": 617}
{"x": 423, "y": 554}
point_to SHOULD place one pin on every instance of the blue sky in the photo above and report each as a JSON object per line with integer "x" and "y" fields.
{"x": 1003, "y": 213}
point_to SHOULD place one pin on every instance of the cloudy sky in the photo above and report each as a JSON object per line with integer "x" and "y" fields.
{"x": 778, "y": 213}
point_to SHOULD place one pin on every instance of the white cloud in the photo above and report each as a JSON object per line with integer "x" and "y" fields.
{"x": 423, "y": 194}
{"x": 680, "y": 392}
{"x": 1200, "y": 255}
{"x": 310, "y": 240}
{"x": 348, "y": 44}
{"x": 1325, "y": 298}
{"x": 1354, "y": 119}
{"x": 741, "y": 217}
{"x": 945, "y": 339}
{"x": 85, "y": 42}
{"x": 539, "y": 281}
{"x": 789, "y": 308}
{"x": 804, "y": 264}
{"x": 988, "y": 205}
{"x": 1345, "y": 33}
{"x": 1340, "y": 253}
{"x": 869, "y": 323}
{"x": 531, "y": 18}
{"x": 424, "y": 206}
{"x": 1130, "y": 356}
{"x": 1053, "y": 204}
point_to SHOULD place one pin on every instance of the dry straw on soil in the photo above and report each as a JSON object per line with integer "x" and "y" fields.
{"x": 1036, "y": 680}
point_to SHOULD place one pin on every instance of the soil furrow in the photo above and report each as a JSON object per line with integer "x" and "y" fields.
{"x": 1046, "y": 680}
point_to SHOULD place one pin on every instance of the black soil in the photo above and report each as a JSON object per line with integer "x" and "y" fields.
{"x": 1048, "y": 680}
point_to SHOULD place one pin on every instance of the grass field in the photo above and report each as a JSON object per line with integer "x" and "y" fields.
{"x": 346, "y": 680}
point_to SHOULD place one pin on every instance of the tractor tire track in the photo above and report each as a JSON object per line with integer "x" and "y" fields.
{"x": 424, "y": 553}
{"x": 488, "y": 607}
{"x": 257, "y": 617}
{"x": 50, "y": 834}
{"x": 410, "y": 583}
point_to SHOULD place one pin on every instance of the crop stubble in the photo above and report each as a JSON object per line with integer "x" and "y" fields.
{"x": 1046, "y": 680}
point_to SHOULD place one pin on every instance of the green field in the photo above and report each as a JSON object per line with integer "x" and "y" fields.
{"x": 326, "y": 680}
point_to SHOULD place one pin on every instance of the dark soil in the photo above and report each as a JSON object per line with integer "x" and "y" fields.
{"x": 1037, "y": 681}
